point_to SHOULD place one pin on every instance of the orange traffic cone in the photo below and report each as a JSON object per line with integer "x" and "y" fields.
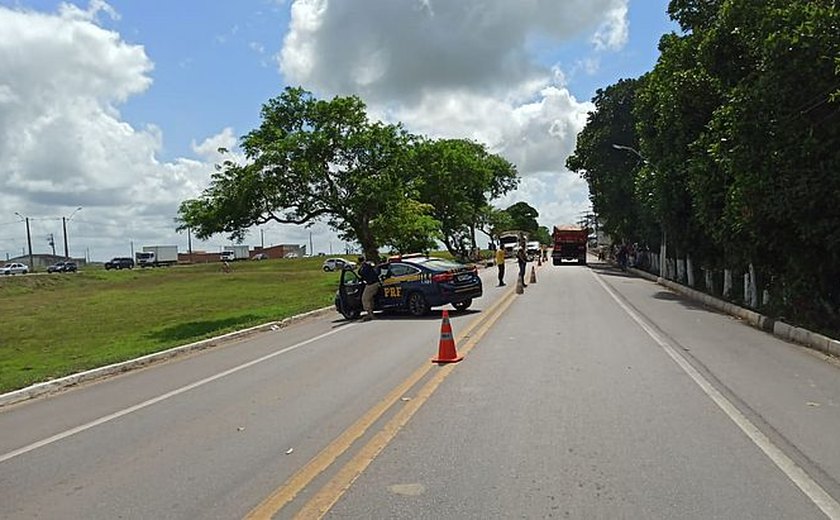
{"x": 533, "y": 275}
{"x": 446, "y": 348}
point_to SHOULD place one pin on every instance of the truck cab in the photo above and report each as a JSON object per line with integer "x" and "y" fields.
{"x": 145, "y": 258}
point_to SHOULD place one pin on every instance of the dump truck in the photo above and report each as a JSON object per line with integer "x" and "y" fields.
{"x": 569, "y": 244}
{"x": 157, "y": 256}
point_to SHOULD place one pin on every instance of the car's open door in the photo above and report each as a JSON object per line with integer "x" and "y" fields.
{"x": 350, "y": 294}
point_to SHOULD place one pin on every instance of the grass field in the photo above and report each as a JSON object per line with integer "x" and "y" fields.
{"x": 54, "y": 325}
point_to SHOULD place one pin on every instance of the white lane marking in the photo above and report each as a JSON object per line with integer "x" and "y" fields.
{"x": 155, "y": 400}
{"x": 796, "y": 474}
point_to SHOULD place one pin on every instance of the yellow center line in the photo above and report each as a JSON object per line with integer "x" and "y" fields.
{"x": 318, "y": 464}
{"x": 326, "y": 498}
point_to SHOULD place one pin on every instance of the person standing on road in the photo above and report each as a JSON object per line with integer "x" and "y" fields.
{"x": 522, "y": 260}
{"x": 500, "y": 265}
{"x": 370, "y": 275}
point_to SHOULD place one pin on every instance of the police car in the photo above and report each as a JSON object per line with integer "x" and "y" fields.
{"x": 413, "y": 283}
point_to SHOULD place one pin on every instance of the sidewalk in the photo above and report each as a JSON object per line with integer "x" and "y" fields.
{"x": 780, "y": 329}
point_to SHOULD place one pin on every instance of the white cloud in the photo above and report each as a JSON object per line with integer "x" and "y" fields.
{"x": 445, "y": 68}
{"x": 463, "y": 69}
{"x": 614, "y": 31}
{"x": 63, "y": 141}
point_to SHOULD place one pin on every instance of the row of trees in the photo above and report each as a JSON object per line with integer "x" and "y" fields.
{"x": 374, "y": 183}
{"x": 730, "y": 147}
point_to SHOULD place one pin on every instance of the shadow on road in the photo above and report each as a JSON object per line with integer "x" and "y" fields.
{"x": 606, "y": 269}
{"x": 682, "y": 300}
{"x": 435, "y": 314}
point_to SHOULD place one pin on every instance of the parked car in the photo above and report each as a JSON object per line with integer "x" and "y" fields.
{"x": 120, "y": 262}
{"x": 63, "y": 267}
{"x": 335, "y": 264}
{"x": 413, "y": 283}
{"x": 14, "y": 268}
{"x": 260, "y": 256}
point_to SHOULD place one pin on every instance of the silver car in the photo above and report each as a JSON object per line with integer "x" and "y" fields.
{"x": 337, "y": 264}
{"x": 14, "y": 268}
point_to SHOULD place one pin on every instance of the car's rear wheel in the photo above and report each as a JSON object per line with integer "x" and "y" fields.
{"x": 462, "y": 305}
{"x": 417, "y": 304}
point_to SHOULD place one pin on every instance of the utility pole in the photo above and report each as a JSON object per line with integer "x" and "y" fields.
{"x": 310, "y": 243}
{"x": 64, "y": 226}
{"x": 189, "y": 243}
{"x": 28, "y": 240}
{"x": 262, "y": 238}
{"x": 51, "y": 242}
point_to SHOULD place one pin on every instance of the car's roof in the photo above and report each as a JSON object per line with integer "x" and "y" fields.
{"x": 429, "y": 262}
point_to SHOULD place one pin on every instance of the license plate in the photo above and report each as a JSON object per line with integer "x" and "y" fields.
{"x": 464, "y": 277}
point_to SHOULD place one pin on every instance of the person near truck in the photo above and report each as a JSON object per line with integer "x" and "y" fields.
{"x": 500, "y": 265}
{"x": 370, "y": 275}
{"x": 522, "y": 260}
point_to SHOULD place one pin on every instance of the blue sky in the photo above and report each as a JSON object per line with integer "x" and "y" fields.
{"x": 118, "y": 106}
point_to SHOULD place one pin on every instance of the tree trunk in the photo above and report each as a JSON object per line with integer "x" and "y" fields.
{"x": 753, "y": 288}
{"x": 689, "y": 269}
{"x": 369, "y": 246}
{"x": 727, "y": 283}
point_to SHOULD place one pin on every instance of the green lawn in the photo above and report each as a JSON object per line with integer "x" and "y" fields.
{"x": 54, "y": 325}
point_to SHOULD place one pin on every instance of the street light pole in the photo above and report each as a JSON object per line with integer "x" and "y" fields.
{"x": 64, "y": 227}
{"x": 663, "y": 250}
{"x": 28, "y": 240}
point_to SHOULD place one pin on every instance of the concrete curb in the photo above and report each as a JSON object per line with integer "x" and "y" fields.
{"x": 55, "y": 385}
{"x": 770, "y": 325}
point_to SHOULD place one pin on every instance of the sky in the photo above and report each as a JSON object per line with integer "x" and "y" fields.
{"x": 119, "y": 107}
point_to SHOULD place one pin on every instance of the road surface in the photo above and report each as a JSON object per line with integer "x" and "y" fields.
{"x": 595, "y": 394}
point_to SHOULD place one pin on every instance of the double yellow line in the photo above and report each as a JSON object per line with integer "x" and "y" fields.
{"x": 324, "y": 500}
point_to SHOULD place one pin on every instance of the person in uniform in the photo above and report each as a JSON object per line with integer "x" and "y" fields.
{"x": 370, "y": 275}
{"x": 522, "y": 260}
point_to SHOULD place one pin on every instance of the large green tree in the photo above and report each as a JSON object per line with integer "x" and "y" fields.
{"x": 312, "y": 160}
{"x": 524, "y": 217}
{"x": 606, "y": 157}
{"x": 459, "y": 177}
{"x": 776, "y": 138}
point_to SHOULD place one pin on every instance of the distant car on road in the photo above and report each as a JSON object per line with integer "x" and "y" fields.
{"x": 335, "y": 264}
{"x": 260, "y": 256}
{"x": 14, "y": 268}
{"x": 63, "y": 267}
{"x": 120, "y": 262}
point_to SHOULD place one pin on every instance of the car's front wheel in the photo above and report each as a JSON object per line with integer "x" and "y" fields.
{"x": 462, "y": 305}
{"x": 417, "y": 304}
{"x": 351, "y": 315}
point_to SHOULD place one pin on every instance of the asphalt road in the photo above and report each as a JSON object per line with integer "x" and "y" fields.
{"x": 593, "y": 395}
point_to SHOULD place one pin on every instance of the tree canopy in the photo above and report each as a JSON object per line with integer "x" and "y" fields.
{"x": 374, "y": 183}
{"x": 737, "y": 129}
